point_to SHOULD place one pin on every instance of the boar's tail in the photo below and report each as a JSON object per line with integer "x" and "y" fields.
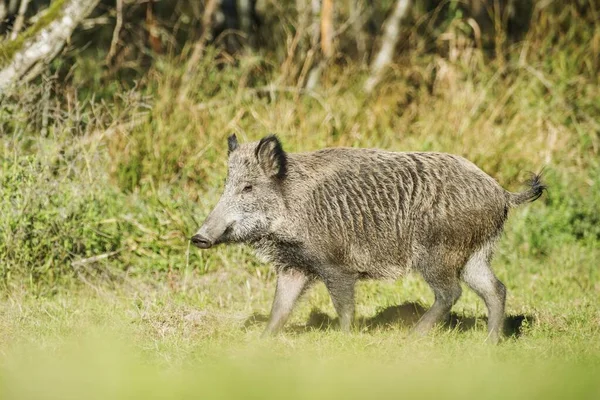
{"x": 536, "y": 188}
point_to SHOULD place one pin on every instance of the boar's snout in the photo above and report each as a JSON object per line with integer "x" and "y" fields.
{"x": 215, "y": 229}
{"x": 201, "y": 241}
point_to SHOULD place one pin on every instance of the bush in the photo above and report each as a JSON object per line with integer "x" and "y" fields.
{"x": 48, "y": 220}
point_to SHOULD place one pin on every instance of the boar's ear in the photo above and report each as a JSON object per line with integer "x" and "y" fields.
{"x": 271, "y": 157}
{"x": 232, "y": 143}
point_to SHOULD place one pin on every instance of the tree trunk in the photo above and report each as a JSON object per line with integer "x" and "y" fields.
{"x": 115, "y": 39}
{"x": 2, "y": 10}
{"x": 326, "y": 45}
{"x": 45, "y": 44}
{"x": 20, "y": 20}
{"x": 388, "y": 43}
{"x": 327, "y": 28}
{"x": 246, "y": 17}
{"x": 357, "y": 18}
{"x": 153, "y": 29}
{"x": 3, "y": 13}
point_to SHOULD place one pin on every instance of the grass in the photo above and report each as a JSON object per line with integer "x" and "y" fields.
{"x": 199, "y": 336}
{"x": 103, "y": 184}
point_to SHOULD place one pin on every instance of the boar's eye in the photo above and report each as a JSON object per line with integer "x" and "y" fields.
{"x": 247, "y": 189}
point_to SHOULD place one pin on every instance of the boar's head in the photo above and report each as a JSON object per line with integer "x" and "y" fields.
{"x": 252, "y": 198}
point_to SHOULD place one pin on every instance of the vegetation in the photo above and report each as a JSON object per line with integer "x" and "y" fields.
{"x": 106, "y": 172}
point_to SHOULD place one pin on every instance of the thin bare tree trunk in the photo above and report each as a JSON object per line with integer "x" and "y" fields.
{"x": 315, "y": 6}
{"x": 20, "y": 20}
{"x": 303, "y": 15}
{"x": 357, "y": 18}
{"x": 153, "y": 30}
{"x": 115, "y": 39}
{"x": 388, "y": 43}
{"x": 245, "y": 12}
{"x": 313, "y": 54}
{"x": 12, "y": 7}
{"x": 326, "y": 36}
{"x": 46, "y": 44}
{"x": 3, "y": 11}
{"x": 327, "y": 28}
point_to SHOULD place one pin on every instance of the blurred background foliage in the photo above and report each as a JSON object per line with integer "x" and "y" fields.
{"x": 112, "y": 154}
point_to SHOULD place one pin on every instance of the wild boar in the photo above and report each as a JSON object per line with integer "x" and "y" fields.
{"x": 343, "y": 214}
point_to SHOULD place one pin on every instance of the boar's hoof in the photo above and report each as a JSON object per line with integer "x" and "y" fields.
{"x": 267, "y": 333}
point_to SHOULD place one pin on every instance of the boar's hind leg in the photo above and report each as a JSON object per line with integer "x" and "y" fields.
{"x": 447, "y": 290}
{"x": 341, "y": 290}
{"x": 478, "y": 275}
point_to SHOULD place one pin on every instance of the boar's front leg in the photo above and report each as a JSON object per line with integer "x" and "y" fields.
{"x": 291, "y": 283}
{"x": 341, "y": 290}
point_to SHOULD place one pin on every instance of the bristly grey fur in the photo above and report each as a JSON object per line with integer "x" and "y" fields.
{"x": 344, "y": 214}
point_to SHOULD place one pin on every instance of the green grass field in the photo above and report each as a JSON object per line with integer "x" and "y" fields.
{"x": 103, "y": 182}
{"x": 198, "y": 337}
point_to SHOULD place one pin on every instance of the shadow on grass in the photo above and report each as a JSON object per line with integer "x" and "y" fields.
{"x": 405, "y": 315}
